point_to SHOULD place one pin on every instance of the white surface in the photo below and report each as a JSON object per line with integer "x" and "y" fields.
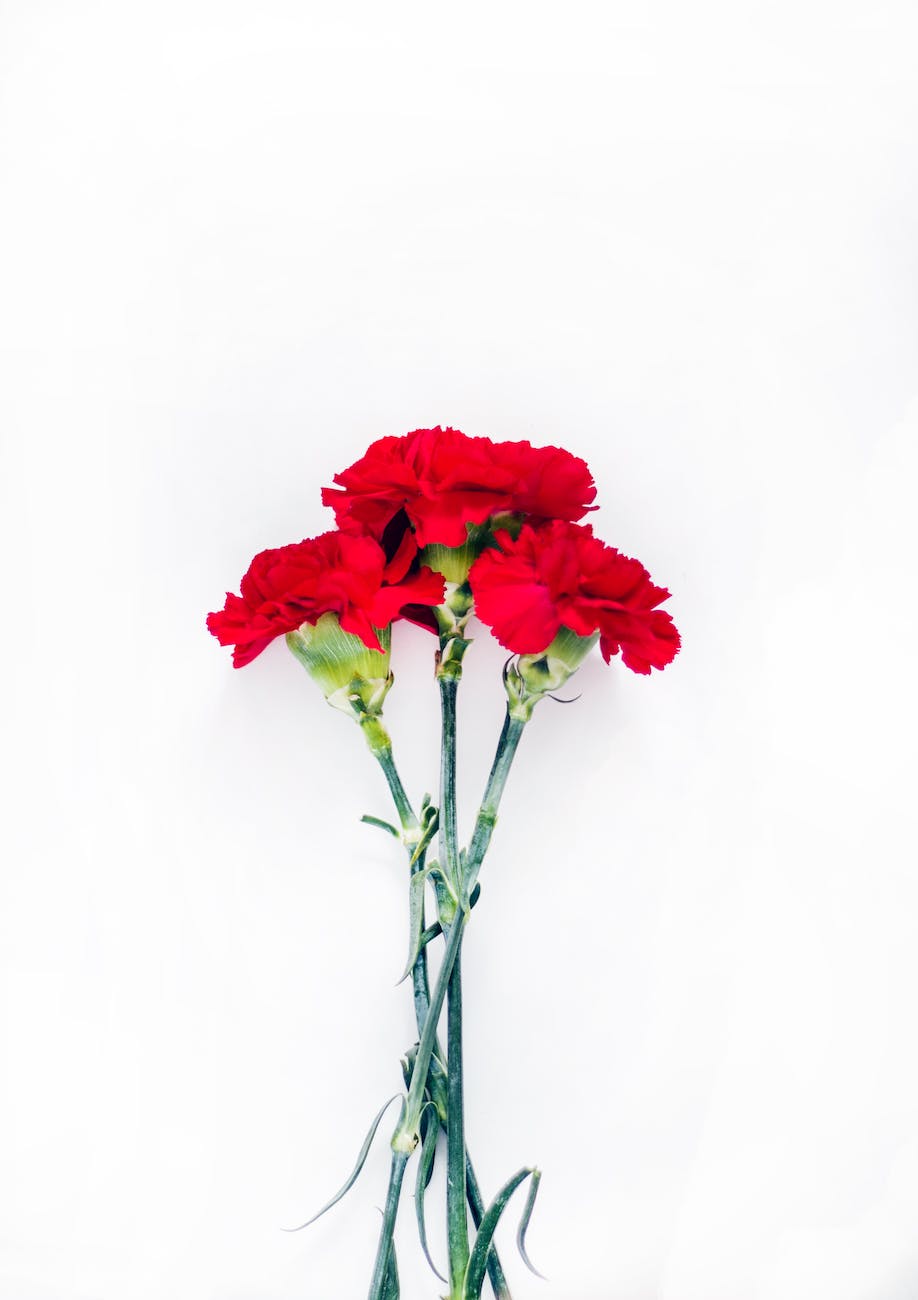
{"x": 240, "y": 241}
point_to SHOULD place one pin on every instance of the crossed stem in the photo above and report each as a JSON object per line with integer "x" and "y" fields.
{"x": 462, "y": 1184}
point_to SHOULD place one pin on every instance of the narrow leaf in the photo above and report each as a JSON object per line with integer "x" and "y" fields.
{"x": 433, "y": 930}
{"x": 425, "y": 1172}
{"x": 499, "y": 1287}
{"x": 355, "y": 1174}
{"x": 430, "y": 816}
{"x": 524, "y": 1223}
{"x": 478, "y": 1261}
{"x": 447, "y": 899}
{"x": 420, "y": 849}
{"x": 378, "y": 821}
{"x": 391, "y": 1291}
{"x": 430, "y": 819}
{"x": 431, "y": 933}
{"x": 415, "y": 917}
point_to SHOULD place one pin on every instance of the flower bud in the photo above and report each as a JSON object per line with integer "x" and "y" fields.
{"x": 350, "y": 675}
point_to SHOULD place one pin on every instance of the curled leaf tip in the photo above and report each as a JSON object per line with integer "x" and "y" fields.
{"x": 477, "y": 1265}
{"x": 524, "y": 1223}
{"x": 355, "y": 1172}
{"x": 425, "y": 1173}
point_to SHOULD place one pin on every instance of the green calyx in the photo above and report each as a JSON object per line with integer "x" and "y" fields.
{"x": 506, "y": 522}
{"x": 351, "y": 676}
{"x": 454, "y": 562}
{"x": 531, "y": 677}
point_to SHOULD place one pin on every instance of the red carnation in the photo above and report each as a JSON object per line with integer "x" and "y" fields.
{"x": 297, "y": 584}
{"x": 560, "y": 575}
{"x": 439, "y": 480}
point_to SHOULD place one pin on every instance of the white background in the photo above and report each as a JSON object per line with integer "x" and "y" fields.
{"x": 238, "y": 243}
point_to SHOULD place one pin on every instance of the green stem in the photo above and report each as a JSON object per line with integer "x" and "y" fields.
{"x": 402, "y": 803}
{"x": 449, "y": 834}
{"x": 421, "y": 981}
{"x": 457, "y": 1225}
{"x": 407, "y": 1131}
{"x": 384, "y": 1249}
{"x": 487, "y": 814}
{"x": 476, "y": 1201}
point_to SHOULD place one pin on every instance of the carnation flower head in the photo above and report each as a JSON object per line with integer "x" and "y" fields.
{"x": 428, "y": 487}
{"x": 558, "y": 577}
{"x": 333, "y": 574}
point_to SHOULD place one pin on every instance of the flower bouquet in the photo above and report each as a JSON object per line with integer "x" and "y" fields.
{"x": 435, "y": 527}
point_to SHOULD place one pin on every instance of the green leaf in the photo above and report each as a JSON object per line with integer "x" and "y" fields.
{"x": 377, "y": 821}
{"x": 431, "y": 933}
{"x": 447, "y": 899}
{"x": 524, "y": 1223}
{"x": 436, "y": 1081}
{"x": 478, "y": 1260}
{"x": 430, "y": 819}
{"x": 430, "y": 1132}
{"x": 433, "y": 930}
{"x": 408, "y": 1064}
{"x": 416, "y": 916}
{"x": 355, "y": 1173}
{"x": 391, "y": 1290}
{"x": 436, "y": 1086}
